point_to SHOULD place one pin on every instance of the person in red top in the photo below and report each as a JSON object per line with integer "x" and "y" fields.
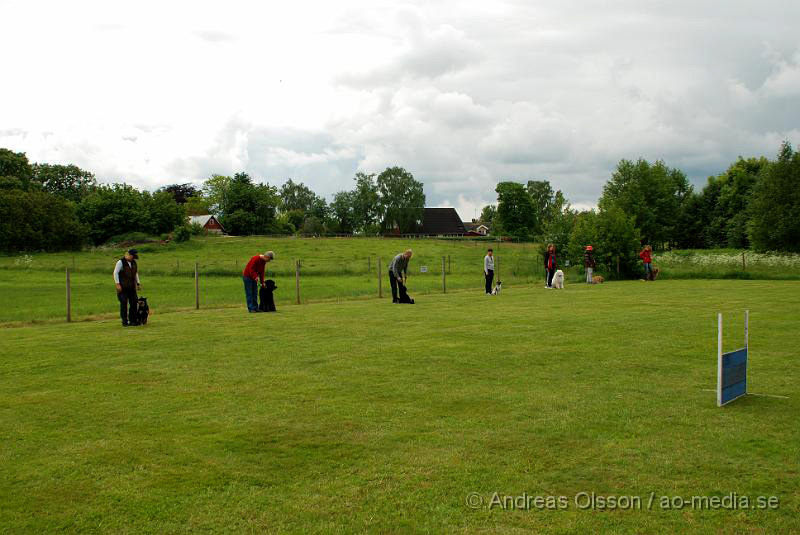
{"x": 646, "y": 256}
{"x": 550, "y": 265}
{"x": 254, "y": 271}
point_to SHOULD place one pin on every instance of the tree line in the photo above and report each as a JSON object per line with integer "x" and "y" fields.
{"x": 48, "y": 207}
{"x": 755, "y": 204}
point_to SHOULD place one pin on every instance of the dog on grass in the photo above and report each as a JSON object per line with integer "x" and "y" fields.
{"x": 558, "y": 280}
{"x": 598, "y": 279}
{"x": 497, "y": 288}
{"x": 266, "y": 301}
{"x": 403, "y": 293}
{"x": 142, "y": 311}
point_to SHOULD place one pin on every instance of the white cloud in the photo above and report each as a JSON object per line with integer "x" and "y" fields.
{"x": 463, "y": 94}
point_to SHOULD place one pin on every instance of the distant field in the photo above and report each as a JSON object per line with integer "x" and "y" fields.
{"x": 32, "y": 287}
{"x": 371, "y": 417}
{"x": 727, "y": 264}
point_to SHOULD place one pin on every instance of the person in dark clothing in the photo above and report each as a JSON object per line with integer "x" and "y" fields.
{"x": 550, "y": 264}
{"x": 398, "y": 272}
{"x": 589, "y": 263}
{"x": 126, "y": 279}
{"x": 488, "y": 270}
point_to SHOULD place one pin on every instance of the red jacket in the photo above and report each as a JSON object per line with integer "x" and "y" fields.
{"x": 255, "y": 268}
{"x": 645, "y": 256}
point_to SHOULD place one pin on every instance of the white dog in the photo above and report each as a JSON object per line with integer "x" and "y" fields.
{"x": 497, "y": 288}
{"x": 558, "y": 280}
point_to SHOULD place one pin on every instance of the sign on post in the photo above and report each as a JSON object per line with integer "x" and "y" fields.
{"x": 731, "y": 367}
{"x": 423, "y": 269}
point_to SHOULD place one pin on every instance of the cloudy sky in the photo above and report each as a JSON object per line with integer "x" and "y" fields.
{"x": 463, "y": 94}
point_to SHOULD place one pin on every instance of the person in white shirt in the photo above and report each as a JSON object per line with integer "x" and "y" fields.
{"x": 488, "y": 270}
{"x": 126, "y": 279}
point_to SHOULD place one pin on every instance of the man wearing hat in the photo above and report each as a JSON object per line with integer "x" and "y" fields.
{"x": 588, "y": 263}
{"x": 254, "y": 271}
{"x": 126, "y": 278}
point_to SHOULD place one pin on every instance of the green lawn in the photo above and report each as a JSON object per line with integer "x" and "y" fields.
{"x": 33, "y": 287}
{"x": 365, "y": 416}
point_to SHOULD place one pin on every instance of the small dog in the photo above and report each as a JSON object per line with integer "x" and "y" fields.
{"x": 654, "y": 273}
{"x": 558, "y": 280}
{"x": 142, "y": 311}
{"x": 404, "y": 297}
{"x": 598, "y": 279}
{"x": 497, "y": 288}
{"x": 266, "y": 301}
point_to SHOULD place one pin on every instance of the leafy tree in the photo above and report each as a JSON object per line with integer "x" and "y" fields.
{"x": 241, "y": 223}
{"x": 114, "y": 210}
{"x": 547, "y": 203}
{"x": 775, "y": 204}
{"x": 38, "y": 221}
{"x": 16, "y": 165}
{"x": 197, "y": 205}
{"x": 557, "y": 230}
{"x": 366, "y": 203}
{"x": 296, "y": 196}
{"x": 243, "y": 206}
{"x": 163, "y": 213}
{"x": 296, "y": 218}
{"x": 617, "y": 237}
{"x": 488, "y": 215}
{"x": 68, "y": 181}
{"x": 215, "y": 191}
{"x": 653, "y": 194}
{"x": 402, "y": 200}
{"x": 515, "y": 212}
{"x": 182, "y": 192}
{"x": 342, "y": 212}
{"x": 584, "y": 232}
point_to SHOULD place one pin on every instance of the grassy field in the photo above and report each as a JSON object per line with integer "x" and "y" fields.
{"x": 32, "y": 287}
{"x": 370, "y": 417}
{"x": 727, "y": 264}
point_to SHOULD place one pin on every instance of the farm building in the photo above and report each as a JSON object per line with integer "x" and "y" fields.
{"x": 476, "y": 228}
{"x": 442, "y": 222}
{"x": 208, "y": 222}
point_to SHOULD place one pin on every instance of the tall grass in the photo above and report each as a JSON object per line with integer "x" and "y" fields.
{"x": 728, "y": 264}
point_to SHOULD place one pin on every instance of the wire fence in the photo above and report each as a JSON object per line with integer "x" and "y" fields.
{"x": 85, "y": 290}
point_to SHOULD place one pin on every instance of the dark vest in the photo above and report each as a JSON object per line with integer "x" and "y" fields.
{"x": 127, "y": 276}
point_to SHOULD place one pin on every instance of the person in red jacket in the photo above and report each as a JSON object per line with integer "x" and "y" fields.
{"x": 550, "y": 264}
{"x": 254, "y": 271}
{"x": 647, "y": 258}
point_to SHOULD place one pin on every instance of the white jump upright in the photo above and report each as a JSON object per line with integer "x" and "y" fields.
{"x": 731, "y": 366}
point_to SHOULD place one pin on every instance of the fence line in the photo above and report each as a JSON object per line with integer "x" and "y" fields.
{"x": 318, "y": 288}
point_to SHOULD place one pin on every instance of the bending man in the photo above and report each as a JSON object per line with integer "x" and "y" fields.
{"x": 254, "y": 271}
{"x": 398, "y": 271}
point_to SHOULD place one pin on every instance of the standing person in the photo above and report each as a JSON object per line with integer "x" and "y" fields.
{"x": 647, "y": 259}
{"x": 126, "y": 279}
{"x": 588, "y": 263}
{"x": 254, "y": 271}
{"x": 488, "y": 270}
{"x": 550, "y": 264}
{"x": 398, "y": 272}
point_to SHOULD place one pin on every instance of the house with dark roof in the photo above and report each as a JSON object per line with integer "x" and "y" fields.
{"x": 442, "y": 222}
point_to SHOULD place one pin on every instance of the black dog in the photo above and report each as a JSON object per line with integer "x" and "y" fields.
{"x": 266, "y": 301}
{"x": 142, "y": 311}
{"x": 403, "y": 291}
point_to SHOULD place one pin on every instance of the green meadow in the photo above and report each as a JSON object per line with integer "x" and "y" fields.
{"x": 368, "y": 417}
{"x": 32, "y": 286}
